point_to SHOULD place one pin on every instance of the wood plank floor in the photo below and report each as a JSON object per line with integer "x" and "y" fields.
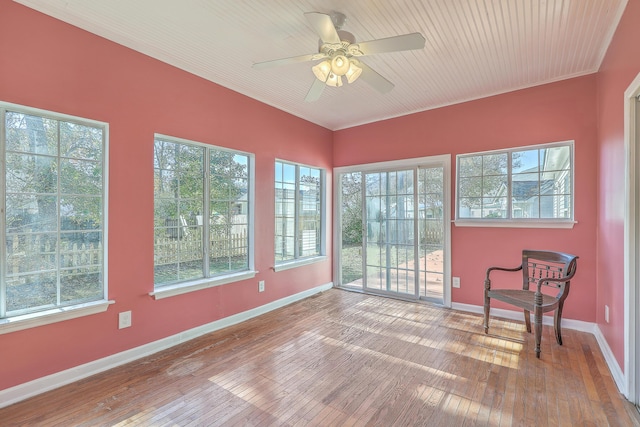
{"x": 344, "y": 358}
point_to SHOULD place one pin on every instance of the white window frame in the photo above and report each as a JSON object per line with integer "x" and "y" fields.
{"x": 225, "y": 278}
{"x": 298, "y": 260}
{"x": 57, "y": 314}
{"x": 518, "y": 222}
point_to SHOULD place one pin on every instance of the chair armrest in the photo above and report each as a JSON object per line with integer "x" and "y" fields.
{"x": 490, "y": 269}
{"x": 487, "y": 281}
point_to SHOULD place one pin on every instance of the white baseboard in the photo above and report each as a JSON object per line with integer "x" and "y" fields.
{"x": 614, "y": 367}
{"x": 50, "y": 382}
{"x": 578, "y": 325}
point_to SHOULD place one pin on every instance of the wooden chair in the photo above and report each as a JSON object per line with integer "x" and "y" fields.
{"x": 542, "y": 268}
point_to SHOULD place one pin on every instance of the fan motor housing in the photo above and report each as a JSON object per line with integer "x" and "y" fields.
{"x": 346, "y": 36}
{"x": 346, "y": 39}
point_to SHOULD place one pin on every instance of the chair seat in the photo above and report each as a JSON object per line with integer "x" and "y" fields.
{"x": 523, "y": 298}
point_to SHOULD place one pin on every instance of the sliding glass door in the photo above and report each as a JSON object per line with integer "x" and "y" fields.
{"x": 393, "y": 230}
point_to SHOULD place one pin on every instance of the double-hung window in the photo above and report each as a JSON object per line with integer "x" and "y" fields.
{"x": 202, "y": 215}
{"x": 527, "y": 185}
{"x": 299, "y": 202}
{"x": 53, "y": 189}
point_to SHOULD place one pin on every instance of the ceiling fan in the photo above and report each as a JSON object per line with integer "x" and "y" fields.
{"x": 339, "y": 54}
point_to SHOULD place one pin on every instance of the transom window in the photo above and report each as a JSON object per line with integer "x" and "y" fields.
{"x": 531, "y": 183}
{"x": 299, "y": 211}
{"x": 202, "y": 211}
{"x": 53, "y": 234}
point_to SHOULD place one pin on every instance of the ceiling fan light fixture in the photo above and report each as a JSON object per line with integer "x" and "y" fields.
{"x": 334, "y": 80}
{"x": 322, "y": 70}
{"x": 340, "y": 65}
{"x": 353, "y": 73}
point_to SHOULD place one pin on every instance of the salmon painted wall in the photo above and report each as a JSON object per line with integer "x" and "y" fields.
{"x": 50, "y": 65}
{"x": 620, "y": 66}
{"x": 554, "y": 112}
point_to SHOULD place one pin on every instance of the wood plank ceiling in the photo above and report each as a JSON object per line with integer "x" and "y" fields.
{"x": 474, "y": 48}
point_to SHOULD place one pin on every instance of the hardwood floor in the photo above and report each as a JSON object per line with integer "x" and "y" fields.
{"x": 343, "y": 358}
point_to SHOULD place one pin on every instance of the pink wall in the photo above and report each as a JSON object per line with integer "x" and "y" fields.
{"x": 619, "y": 68}
{"x": 47, "y": 64}
{"x": 555, "y": 112}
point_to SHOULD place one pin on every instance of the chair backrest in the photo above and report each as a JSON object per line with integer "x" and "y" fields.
{"x": 548, "y": 264}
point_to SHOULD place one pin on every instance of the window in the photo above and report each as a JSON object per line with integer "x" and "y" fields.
{"x": 53, "y": 233}
{"x": 202, "y": 212}
{"x": 299, "y": 212}
{"x": 524, "y": 185}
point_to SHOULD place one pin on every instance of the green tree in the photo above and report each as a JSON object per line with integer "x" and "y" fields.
{"x": 228, "y": 183}
{"x": 178, "y": 183}
{"x": 53, "y": 167}
{"x": 483, "y": 176}
{"x": 352, "y": 208}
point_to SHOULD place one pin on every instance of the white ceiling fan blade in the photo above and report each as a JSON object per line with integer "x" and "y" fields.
{"x": 316, "y": 90}
{"x": 392, "y": 44}
{"x": 323, "y": 25}
{"x": 286, "y": 61}
{"x": 374, "y": 79}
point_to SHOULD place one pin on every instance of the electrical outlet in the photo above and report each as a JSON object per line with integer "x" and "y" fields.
{"x": 606, "y": 313}
{"x": 456, "y": 282}
{"x": 261, "y": 286}
{"x": 124, "y": 319}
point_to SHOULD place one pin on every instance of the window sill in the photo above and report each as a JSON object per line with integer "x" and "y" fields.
{"x": 514, "y": 223}
{"x": 55, "y": 315}
{"x": 298, "y": 263}
{"x": 183, "y": 288}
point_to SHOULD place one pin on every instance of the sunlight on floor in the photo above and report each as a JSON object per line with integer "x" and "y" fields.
{"x": 503, "y": 357}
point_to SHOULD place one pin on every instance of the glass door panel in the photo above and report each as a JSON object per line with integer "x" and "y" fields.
{"x": 351, "y": 230}
{"x": 431, "y": 233}
{"x": 390, "y": 250}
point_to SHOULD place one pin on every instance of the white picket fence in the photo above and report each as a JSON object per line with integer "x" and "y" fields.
{"x": 37, "y": 253}
{"x": 431, "y": 231}
{"x": 189, "y": 248}
{"x": 32, "y": 253}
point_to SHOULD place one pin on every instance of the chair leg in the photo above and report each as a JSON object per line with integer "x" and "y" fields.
{"x": 487, "y": 302}
{"x": 527, "y": 320}
{"x": 538, "y": 329}
{"x": 486, "y": 313}
{"x": 557, "y": 321}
